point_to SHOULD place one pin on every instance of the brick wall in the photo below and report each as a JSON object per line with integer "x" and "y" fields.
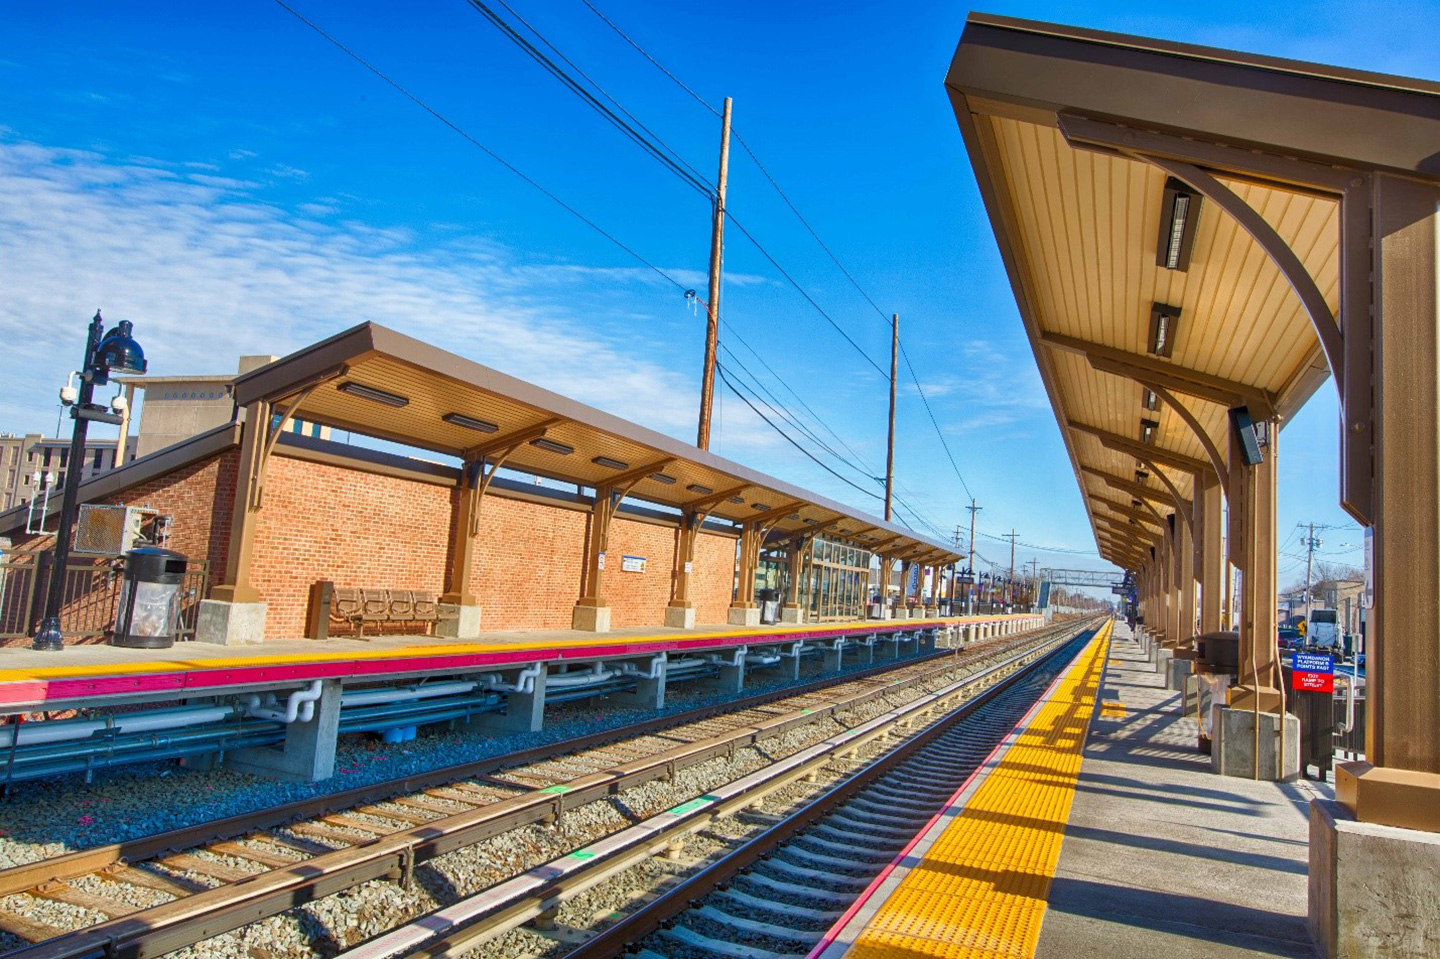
{"x": 714, "y": 583}
{"x": 639, "y": 599}
{"x": 528, "y": 563}
{"x": 200, "y": 499}
{"x": 357, "y": 529}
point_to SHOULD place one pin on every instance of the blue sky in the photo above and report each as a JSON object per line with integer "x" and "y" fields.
{"x": 231, "y": 182}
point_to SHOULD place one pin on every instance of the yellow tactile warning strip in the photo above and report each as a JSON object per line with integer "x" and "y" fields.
{"x": 981, "y": 888}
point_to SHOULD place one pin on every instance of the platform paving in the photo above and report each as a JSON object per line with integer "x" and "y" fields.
{"x": 1163, "y": 858}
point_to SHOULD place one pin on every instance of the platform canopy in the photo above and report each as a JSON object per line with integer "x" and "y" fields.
{"x": 377, "y": 382}
{"x": 1100, "y": 159}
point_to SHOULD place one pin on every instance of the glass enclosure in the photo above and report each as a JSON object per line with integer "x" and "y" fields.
{"x": 834, "y": 580}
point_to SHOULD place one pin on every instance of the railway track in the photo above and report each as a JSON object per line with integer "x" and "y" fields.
{"x": 807, "y": 879}
{"x": 154, "y": 895}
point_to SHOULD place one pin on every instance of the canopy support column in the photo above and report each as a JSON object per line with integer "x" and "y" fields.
{"x": 1400, "y": 783}
{"x": 1210, "y": 555}
{"x": 235, "y": 613}
{"x": 1254, "y": 509}
{"x": 743, "y": 610}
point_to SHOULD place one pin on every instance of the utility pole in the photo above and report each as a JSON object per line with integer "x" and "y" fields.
{"x": 1311, "y": 544}
{"x": 970, "y": 594}
{"x": 1010, "y": 584}
{"x": 1035, "y": 582}
{"x": 712, "y": 305}
{"x": 890, "y": 443}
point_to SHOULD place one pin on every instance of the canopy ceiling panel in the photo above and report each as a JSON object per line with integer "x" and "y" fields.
{"x": 1079, "y": 224}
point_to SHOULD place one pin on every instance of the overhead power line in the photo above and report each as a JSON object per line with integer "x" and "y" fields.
{"x": 637, "y": 133}
{"x": 814, "y": 234}
{"x": 478, "y": 145}
{"x": 534, "y": 184}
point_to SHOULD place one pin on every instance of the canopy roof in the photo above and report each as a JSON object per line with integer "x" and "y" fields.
{"x": 1053, "y": 118}
{"x": 377, "y": 382}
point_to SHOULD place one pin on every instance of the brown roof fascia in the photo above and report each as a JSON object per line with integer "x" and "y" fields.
{"x": 1312, "y": 111}
{"x": 281, "y": 378}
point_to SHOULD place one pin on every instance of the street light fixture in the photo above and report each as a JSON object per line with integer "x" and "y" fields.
{"x": 105, "y": 353}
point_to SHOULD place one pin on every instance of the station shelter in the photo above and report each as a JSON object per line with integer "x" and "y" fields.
{"x": 1197, "y": 240}
{"x": 484, "y": 495}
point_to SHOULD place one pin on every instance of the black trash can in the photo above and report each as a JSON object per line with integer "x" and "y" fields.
{"x": 149, "y": 612}
{"x": 769, "y": 606}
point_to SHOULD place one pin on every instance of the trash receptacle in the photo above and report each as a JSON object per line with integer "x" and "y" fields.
{"x": 149, "y": 612}
{"x": 769, "y": 606}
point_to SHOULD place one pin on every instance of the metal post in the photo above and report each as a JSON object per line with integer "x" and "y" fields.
{"x": 890, "y": 441}
{"x": 49, "y": 636}
{"x": 712, "y": 304}
{"x": 1010, "y": 580}
{"x": 970, "y": 593}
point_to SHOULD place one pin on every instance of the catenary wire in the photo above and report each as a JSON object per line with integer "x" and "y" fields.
{"x": 517, "y": 172}
{"x": 850, "y": 277}
{"x": 672, "y": 156}
{"x": 587, "y": 221}
{"x": 478, "y": 145}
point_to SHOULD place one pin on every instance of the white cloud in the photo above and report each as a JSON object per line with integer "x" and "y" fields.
{"x": 997, "y": 388}
{"x": 207, "y": 271}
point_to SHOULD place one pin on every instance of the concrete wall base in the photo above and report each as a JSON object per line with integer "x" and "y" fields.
{"x": 833, "y": 657}
{"x": 591, "y": 619}
{"x": 680, "y": 617}
{"x": 1162, "y": 660}
{"x": 1372, "y": 887}
{"x": 308, "y": 754}
{"x": 230, "y": 624}
{"x": 792, "y": 615}
{"x": 1177, "y": 671}
{"x": 1233, "y": 750}
{"x": 743, "y": 616}
{"x": 790, "y": 664}
{"x": 464, "y": 625}
{"x": 730, "y": 680}
{"x": 524, "y": 712}
{"x": 648, "y": 694}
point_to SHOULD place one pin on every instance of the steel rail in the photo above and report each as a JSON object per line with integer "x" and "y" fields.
{"x": 506, "y": 905}
{"x": 672, "y": 902}
{"x": 164, "y": 928}
{"x": 86, "y": 861}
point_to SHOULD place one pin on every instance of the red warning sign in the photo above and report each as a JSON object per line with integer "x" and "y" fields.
{"x": 1314, "y": 682}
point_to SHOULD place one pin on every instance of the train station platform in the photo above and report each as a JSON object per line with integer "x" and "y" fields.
{"x": 1097, "y": 828}
{"x": 98, "y": 674}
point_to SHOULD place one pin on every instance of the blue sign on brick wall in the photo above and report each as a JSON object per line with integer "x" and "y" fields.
{"x": 1313, "y": 663}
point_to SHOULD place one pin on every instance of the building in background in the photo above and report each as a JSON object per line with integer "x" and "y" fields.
{"x": 32, "y": 463}
{"x": 175, "y": 408}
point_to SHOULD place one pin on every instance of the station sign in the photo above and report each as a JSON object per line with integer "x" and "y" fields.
{"x": 1313, "y": 672}
{"x": 633, "y": 564}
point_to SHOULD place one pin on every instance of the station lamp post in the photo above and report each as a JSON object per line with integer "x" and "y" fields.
{"x": 105, "y": 353}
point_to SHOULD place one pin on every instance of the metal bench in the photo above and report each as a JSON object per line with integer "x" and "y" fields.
{"x": 356, "y": 608}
